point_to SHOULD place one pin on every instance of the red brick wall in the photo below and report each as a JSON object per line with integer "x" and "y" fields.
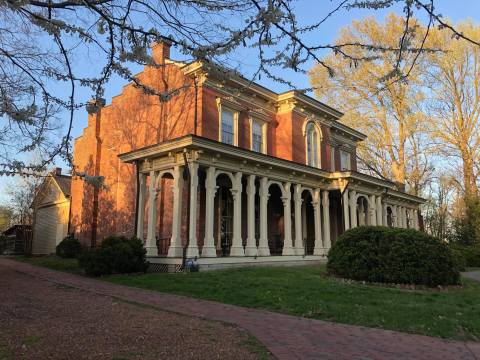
{"x": 132, "y": 121}
{"x": 135, "y": 120}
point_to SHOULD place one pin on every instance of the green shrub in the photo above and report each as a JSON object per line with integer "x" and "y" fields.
{"x": 116, "y": 255}
{"x": 400, "y": 256}
{"x": 469, "y": 256}
{"x": 92, "y": 262}
{"x": 69, "y": 248}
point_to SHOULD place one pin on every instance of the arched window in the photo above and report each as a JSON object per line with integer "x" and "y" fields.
{"x": 312, "y": 135}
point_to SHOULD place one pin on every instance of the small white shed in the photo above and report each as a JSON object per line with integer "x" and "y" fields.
{"x": 51, "y": 213}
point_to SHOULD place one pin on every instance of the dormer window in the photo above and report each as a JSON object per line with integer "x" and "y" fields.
{"x": 312, "y": 139}
{"x": 345, "y": 161}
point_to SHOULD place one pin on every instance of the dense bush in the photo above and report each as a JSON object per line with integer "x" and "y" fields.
{"x": 117, "y": 255}
{"x": 69, "y": 247}
{"x": 400, "y": 256}
{"x": 468, "y": 256}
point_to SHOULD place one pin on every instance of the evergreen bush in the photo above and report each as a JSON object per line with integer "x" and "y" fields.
{"x": 69, "y": 248}
{"x": 398, "y": 256}
{"x": 116, "y": 255}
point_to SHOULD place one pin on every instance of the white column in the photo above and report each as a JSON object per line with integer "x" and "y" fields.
{"x": 151, "y": 244}
{"x": 287, "y": 221}
{"x": 346, "y": 212}
{"x": 320, "y": 248}
{"x": 415, "y": 219}
{"x": 384, "y": 215}
{"x": 394, "y": 216}
{"x": 142, "y": 189}
{"x": 176, "y": 249}
{"x": 297, "y": 198}
{"x": 304, "y": 227}
{"x": 326, "y": 220}
{"x": 209, "y": 249}
{"x": 263, "y": 249}
{"x": 192, "y": 249}
{"x": 353, "y": 209}
{"x": 373, "y": 211}
{"x": 251, "y": 248}
{"x": 362, "y": 219}
{"x": 403, "y": 217}
{"x": 237, "y": 246}
{"x": 379, "y": 211}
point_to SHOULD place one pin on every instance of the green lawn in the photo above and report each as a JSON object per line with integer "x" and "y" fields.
{"x": 53, "y": 262}
{"x": 307, "y": 291}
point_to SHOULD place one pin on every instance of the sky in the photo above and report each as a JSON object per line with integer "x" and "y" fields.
{"x": 308, "y": 11}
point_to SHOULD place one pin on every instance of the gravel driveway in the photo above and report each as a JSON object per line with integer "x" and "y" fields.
{"x": 40, "y": 320}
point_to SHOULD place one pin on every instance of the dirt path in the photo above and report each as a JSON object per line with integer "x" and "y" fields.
{"x": 43, "y": 320}
{"x": 287, "y": 337}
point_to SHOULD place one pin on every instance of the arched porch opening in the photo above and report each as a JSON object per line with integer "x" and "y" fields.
{"x": 223, "y": 218}
{"x": 276, "y": 219}
{"x": 336, "y": 215}
{"x": 363, "y": 211}
{"x": 308, "y": 222}
{"x": 164, "y": 219}
{"x": 389, "y": 216}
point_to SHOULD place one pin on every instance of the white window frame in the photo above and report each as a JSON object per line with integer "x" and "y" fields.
{"x": 263, "y": 126}
{"x": 319, "y": 143}
{"x": 222, "y": 106}
{"x": 349, "y": 160}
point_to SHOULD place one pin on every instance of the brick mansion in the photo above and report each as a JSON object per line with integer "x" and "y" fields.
{"x": 226, "y": 171}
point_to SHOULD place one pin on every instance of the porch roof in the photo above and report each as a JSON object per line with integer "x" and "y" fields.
{"x": 194, "y": 142}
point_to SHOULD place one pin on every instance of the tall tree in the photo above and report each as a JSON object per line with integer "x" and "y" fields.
{"x": 377, "y": 98}
{"x": 454, "y": 83}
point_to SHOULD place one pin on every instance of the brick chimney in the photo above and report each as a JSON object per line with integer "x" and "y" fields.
{"x": 161, "y": 51}
{"x": 57, "y": 171}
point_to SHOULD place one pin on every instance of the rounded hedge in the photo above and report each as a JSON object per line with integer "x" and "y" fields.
{"x": 393, "y": 256}
{"x": 116, "y": 255}
{"x": 69, "y": 247}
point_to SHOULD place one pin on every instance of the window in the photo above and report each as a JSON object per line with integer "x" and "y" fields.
{"x": 258, "y": 138}
{"x": 227, "y": 127}
{"x": 332, "y": 158}
{"x": 313, "y": 145}
{"x": 344, "y": 160}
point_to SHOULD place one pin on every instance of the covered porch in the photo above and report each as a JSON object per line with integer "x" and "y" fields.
{"x": 225, "y": 206}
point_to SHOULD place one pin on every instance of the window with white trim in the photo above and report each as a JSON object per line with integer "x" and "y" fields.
{"x": 345, "y": 163}
{"x": 313, "y": 145}
{"x": 258, "y": 136}
{"x": 227, "y": 126}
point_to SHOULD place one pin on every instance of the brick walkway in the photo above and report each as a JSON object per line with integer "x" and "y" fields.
{"x": 287, "y": 337}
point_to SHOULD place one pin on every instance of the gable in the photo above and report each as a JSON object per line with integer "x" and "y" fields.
{"x": 49, "y": 193}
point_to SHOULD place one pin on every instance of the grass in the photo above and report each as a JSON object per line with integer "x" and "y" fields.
{"x": 53, "y": 262}
{"x": 307, "y": 291}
